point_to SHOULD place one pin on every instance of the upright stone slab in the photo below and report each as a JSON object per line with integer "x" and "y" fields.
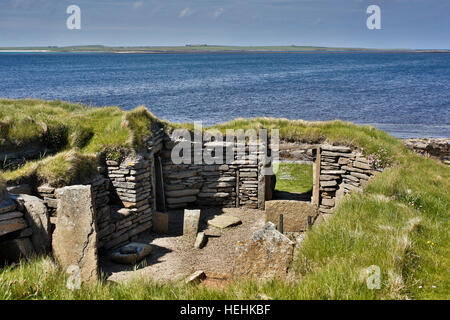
{"x": 267, "y": 255}
{"x": 295, "y": 214}
{"x": 190, "y": 224}
{"x": 160, "y": 222}
{"x": 75, "y": 236}
{"x": 38, "y": 220}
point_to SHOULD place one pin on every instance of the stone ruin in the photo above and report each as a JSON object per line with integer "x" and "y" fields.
{"x": 75, "y": 222}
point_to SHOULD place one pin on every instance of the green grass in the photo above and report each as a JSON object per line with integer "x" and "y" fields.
{"x": 78, "y": 134}
{"x": 294, "y": 178}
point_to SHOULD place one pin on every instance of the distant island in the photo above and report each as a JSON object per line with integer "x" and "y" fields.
{"x": 205, "y": 48}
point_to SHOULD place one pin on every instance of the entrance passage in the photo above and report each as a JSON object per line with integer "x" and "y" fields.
{"x": 294, "y": 182}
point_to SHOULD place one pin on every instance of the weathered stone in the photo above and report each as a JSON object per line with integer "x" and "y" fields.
{"x": 7, "y": 206}
{"x": 360, "y": 175}
{"x": 51, "y": 203}
{"x": 328, "y": 147}
{"x": 75, "y": 237}
{"x": 343, "y": 161}
{"x": 295, "y": 214}
{"x": 226, "y": 179}
{"x": 182, "y": 193}
{"x": 181, "y": 200}
{"x": 196, "y": 277}
{"x": 336, "y": 154}
{"x": 20, "y": 189}
{"x": 328, "y": 202}
{"x": 16, "y": 249}
{"x": 131, "y": 253}
{"x": 350, "y": 187}
{"x": 45, "y": 189}
{"x": 190, "y": 224}
{"x": 200, "y": 241}
{"x": 330, "y": 183}
{"x": 268, "y": 254}
{"x": 248, "y": 174}
{"x": 325, "y": 177}
{"x": 181, "y": 174}
{"x": 39, "y": 221}
{"x": 361, "y": 165}
{"x": 224, "y": 221}
{"x": 332, "y": 172}
{"x": 160, "y": 222}
{"x": 11, "y": 225}
{"x": 11, "y": 215}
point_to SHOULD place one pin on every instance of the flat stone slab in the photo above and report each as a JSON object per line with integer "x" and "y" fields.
{"x": 131, "y": 253}
{"x": 7, "y": 206}
{"x": 223, "y": 222}
{"x": 11, "y": 225}
{"x": 196, "y": 277}
{"x": 295, "y": 214}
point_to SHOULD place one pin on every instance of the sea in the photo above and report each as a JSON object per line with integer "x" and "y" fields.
{"x": 405, "y": 94}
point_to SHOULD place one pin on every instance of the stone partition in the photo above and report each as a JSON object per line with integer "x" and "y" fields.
{"x": 338, "y": 170}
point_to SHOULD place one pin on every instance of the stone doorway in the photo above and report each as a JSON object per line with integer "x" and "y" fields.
{"x": 294, "y": 181}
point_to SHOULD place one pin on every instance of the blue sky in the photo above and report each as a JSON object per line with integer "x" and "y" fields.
{"x": 405, "y": 23}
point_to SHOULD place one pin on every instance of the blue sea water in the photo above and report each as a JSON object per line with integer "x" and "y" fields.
{"x": 406, "y": 94}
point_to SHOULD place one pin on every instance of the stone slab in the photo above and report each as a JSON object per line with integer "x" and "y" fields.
{"x": 75, "y": 237}
{"x": 11, "y": 225}
{"x": 200, "y": 241}
{"x": 295, "y": 214}
{"x": 131, "y": 253}
{"x": 224, "y": 221}
{"x": 39, "y": 221}
{"x": 267, "y": 255}
{"x": 190, "y": 224}
{"x": 160, "y": 222}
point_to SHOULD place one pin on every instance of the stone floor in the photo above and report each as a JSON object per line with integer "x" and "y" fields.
{"x": 173, "y": 259}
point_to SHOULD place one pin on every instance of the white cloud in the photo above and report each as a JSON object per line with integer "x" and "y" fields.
{"x": 186, "y": 12}
{"x": 218, "y": 12}
{"x": 138, "y": 4}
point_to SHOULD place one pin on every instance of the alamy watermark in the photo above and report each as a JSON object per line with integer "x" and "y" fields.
{"x": 74, "y": 20}
{"x": 74, "y": 280}
{"x": 372, "y": 277}
{"x": 374, "y": 20}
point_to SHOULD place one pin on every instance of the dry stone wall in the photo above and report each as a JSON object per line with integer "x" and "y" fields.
{"x": 339, "y": 170}
{"x": 226, "y": 185}
{"x": 15, "y": 232}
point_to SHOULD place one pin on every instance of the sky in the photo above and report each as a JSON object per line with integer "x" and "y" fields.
{"x": 415, "y": 24}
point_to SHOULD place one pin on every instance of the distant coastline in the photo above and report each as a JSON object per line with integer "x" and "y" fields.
{"x": 189, "y": 49}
